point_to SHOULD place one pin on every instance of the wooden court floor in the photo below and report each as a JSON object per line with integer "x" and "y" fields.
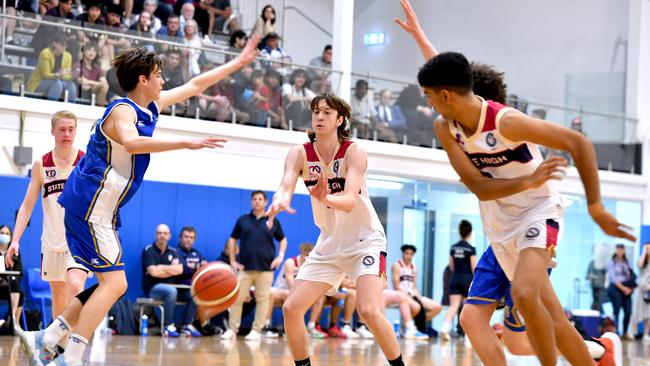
{"x": 206, "y": 351}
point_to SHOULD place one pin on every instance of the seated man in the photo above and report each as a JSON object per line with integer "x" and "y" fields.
{"x": 404, "y": 274}
{"x": 192, "y": 260}
{"x": 391, "y": 123}
{"x": 280, "y": 289}
{"x": 160, "y": 264}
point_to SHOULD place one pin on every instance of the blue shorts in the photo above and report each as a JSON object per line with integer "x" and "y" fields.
{"x": 95, "y": 246}
{"x": 490, "y": 283}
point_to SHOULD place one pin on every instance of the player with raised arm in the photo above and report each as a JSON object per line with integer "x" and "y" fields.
{"x": 352, "y": 240}
{"x": 494, "y": 150}
{"x": 106, "y": 178}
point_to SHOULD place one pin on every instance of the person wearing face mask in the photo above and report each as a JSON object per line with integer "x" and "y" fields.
{"x": 17, "y": 296}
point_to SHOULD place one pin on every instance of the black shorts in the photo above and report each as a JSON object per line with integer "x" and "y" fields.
{"x": 459, "y": 284}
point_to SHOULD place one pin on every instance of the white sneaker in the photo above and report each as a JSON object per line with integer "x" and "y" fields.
{"x": 445, "y": 336}
{"x": 415, "y": 334}
{"x": 364, "y": 332}
{"x": 253, "y": 336}
{"x": 349, "y": 332}
{"x": 229, "y": 334}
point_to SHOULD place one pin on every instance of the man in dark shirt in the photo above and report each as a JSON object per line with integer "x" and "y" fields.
{"x": 191, "y": 259}
{"x": 255, "y": 264}
{"x": 462, "y": 261}
{"x": 160, "y": 264}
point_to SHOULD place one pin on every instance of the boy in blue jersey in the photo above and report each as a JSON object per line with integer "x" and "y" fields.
{"x": 106, "y": 178}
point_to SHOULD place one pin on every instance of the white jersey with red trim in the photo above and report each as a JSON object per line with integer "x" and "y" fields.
{"x": 340, "y": 231}
{"x": 54, "y": 178}
{"x": 406, "y": 277}
{"x": 281, "y": 280}
{"x": 497, "y": 157}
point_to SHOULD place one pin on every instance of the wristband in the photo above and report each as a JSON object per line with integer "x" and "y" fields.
{"x": 281, "y": 254}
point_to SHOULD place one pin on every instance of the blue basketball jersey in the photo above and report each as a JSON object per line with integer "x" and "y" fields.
{"x": 108, "y": 176}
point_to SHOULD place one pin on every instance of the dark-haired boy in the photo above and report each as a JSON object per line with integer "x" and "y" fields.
{"x": 106, "y": 178}
{"x": 494, "y": 150}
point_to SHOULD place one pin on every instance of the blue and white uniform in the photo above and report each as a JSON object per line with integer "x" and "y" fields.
{"x": 105, "y": 179}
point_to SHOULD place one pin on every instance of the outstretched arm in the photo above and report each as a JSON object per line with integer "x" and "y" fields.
{"x": 120, "y": 126}
{"x": 412, "y": 26}
{"x": 486, "y": 188}
{"x": 199, "y": 83}
{"x": 517, "y": 126}
{"x": 282, "y": 198}
{"x": 24, "y": 213}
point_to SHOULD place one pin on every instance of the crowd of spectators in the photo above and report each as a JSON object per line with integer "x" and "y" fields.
{"x": 272, "y": 92}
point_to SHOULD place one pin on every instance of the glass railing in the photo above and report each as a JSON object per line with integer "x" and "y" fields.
{"x": 272, "y": 93}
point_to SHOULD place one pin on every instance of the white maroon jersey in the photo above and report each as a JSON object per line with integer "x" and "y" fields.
{"x": 281, "y": 281}
{"x": 406, "y": 277}
{"x": 54, "y": 178}
{"x": 340, "y": 231}
{"x": 497, "y": 157}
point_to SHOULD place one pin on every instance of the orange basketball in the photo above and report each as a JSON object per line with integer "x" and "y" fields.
{"x": 215, "y": 285}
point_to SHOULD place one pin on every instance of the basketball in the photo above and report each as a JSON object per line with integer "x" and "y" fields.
{"x": 215, "y": 285}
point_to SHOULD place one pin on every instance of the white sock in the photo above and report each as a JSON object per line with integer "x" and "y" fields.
{"x": 410, "y": 325}
{"x": 311, "y": 325}
{"x": 267, "y": 323}
{"x": 56, "y": 331}
{"x": 446, "y": 327}
{"x": 75, "y": 351}
{"x": 595, "y": 350}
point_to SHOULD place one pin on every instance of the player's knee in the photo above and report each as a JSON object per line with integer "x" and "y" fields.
{"x": 75, "y": 284}
{"x": 119, "y": 286}
{"x": 291, "y": 308}
{"x": 469, "y": 316}
{"x": 368, "y": 312}
{"x": 524, "y": 296}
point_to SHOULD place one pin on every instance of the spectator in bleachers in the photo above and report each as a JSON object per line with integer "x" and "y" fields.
{"x": 175, "y": 74}
{"x": 297, "y": 99}
{"x": 213, "y": 102}
{"x": 237, "y": 42}
{"x": 275, "y": 54}
{"x": 64, "y": 10}
{"x": 192, "y": 260}
{"x": 172, "y": 30}
{"x": 225, "y": 109}
{"x": 325, "y": 61}
{"x": 17, "y": 296}
{"x": 273, "y": 82}
{"x": 150, "y": 7}
{"x": 143, "y": 28}
{"x": 261, "y": 96}
{"x": 91, "y": 77}
{"x": 53, "y": 73}
{"x": 160, "y": 265}
{"x": 257, "y": 260}
{"x": 186, "y": 13}
{"x": 265, "y": 24}
{"x": 390, "y": 120}
{"x": 112, "y": 45}
{"x": 224, "y": 19}
{"x": 204, "y": 16}
{"x": 363, "y": 112}
{"x": 192, "y": 54}
{"x": 45, "y": 5}
{"x": 419, "y": 116}
{"x": 92, "y": 15}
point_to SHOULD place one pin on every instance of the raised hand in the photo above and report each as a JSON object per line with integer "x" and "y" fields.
{"x": 250, "y": 51}
{"x": 278, "y": 205}
{"x": 209, "y": 142}
{"x": 552, "y": 168}
{"x": 411, "y": 25}
{"x": 12, "y": 251}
